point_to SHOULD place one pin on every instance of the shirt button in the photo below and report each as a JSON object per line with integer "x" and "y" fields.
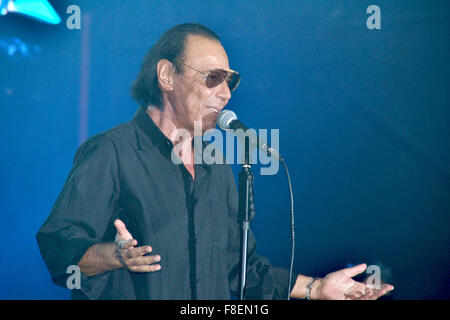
{"x": 197, "y": 282}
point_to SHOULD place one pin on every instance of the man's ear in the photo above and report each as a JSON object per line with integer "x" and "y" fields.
{"x": 165, "y": 71}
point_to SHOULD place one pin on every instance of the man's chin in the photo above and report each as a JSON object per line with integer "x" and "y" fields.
{"x": 209, "y": 122}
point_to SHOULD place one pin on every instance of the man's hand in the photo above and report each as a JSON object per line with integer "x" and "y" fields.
{"x": 132, "y": 257}
{"x": 339, "y": 285}
{"x": 123, "y": 253}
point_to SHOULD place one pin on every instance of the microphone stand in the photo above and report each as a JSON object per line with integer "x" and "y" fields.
{"x": 246, "y": 214}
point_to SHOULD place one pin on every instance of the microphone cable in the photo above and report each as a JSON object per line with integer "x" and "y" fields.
{"x": 292, "y": 227}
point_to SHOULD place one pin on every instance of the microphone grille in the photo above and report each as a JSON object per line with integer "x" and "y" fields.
{"x": 224, "y": 119}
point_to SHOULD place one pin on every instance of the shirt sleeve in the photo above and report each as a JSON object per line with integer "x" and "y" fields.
{"x": 264, "y": 281}
{"x": 82, "y": 214}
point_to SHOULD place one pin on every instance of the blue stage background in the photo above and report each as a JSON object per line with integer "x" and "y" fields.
{"x": 363, "y": 118}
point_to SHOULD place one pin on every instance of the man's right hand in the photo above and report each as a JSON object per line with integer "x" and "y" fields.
{"x": 131, "y": 257}
{"x": 123, "y": 253}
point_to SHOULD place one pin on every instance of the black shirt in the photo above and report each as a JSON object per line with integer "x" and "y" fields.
{"x": 127, "y": 173}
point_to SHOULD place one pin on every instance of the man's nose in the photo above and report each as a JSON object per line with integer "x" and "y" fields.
{"x": 224, "y": 92}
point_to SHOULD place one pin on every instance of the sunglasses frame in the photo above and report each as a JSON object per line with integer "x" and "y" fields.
{"x": 229, "y": 71}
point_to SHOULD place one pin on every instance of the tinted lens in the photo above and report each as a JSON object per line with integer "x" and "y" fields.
{"x": 233, "y": 81}
{"x": 215, "y": 77}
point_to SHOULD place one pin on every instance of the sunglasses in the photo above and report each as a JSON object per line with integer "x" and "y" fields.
{"x": 216, "y": 76}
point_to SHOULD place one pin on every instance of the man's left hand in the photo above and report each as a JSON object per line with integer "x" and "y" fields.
{"x": 339, "y": 285}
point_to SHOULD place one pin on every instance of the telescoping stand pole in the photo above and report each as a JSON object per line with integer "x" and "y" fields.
{"x": 245, "y": 215}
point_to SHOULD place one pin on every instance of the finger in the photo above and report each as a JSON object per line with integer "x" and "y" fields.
{"x": 388, "y": 287}
{"x": 354, "y": 271}
{"x": 126, "y": 244}
{"x": 356, "y": 291}
{"x": 384, "y": 290}
{"x": 122, "y": 231}
{"x": 369, "y": 295}
{"x": 146, "y": 268}
{"x": 354, "y": 296}
{"x": 360, "y": 295}
{"x": 138, "y": 252}
{"x": 357, "y": 287}
{"x": 147, "y": 260}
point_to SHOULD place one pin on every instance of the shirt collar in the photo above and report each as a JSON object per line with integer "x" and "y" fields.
{"x": 145, "y": 122}
{"x": 150, "y": 128}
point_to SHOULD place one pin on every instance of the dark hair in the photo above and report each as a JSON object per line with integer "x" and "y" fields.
{"x": 170, "y": 46}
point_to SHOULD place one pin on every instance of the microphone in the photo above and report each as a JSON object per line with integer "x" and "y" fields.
{"x": 227, "y": 119}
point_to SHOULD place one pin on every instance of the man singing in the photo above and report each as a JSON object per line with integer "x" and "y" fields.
{"x": 140, "y": 226}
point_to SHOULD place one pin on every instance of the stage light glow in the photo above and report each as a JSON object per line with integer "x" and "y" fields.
{"x": 3, "y": 7}
{"x": 16, "y": 48}
{"x": 40, "y": 10}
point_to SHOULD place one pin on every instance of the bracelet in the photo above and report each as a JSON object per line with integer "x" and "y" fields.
{"x": 309, "y": 287}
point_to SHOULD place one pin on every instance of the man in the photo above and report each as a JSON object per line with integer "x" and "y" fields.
{"x": 140, "y": 226}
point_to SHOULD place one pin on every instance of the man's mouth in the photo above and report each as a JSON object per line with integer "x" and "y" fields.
{"x": 213, "y": 109}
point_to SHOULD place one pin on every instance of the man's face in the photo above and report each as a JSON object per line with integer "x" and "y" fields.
{"x": 191, "y": 99}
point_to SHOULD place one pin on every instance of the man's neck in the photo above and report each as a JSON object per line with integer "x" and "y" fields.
{"x": 164, "y": 120}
